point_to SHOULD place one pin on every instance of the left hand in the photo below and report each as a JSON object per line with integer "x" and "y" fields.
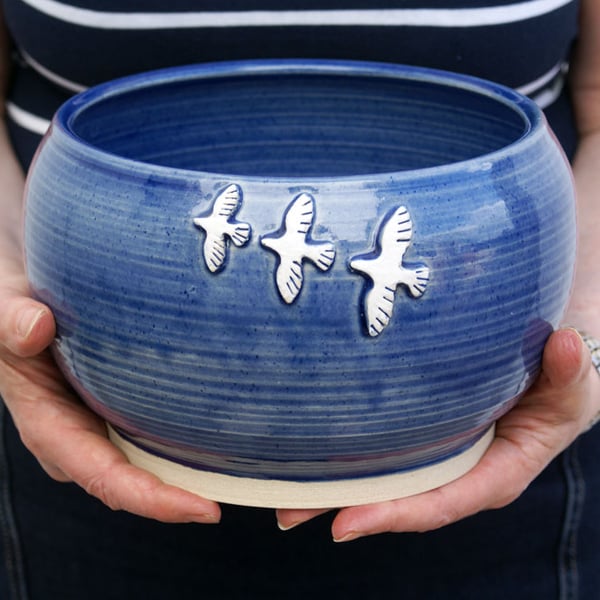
{"x": 558, "y": 407}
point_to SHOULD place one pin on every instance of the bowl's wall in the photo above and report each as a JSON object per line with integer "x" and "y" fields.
{"x": 233, "y": 377}
{"x": 293, "y": 125}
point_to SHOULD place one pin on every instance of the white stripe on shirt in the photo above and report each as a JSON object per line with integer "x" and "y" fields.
{"x": 65, "y": 84}
{"x": 416, "y": 17}
{"x": 27, "y": 120}
{"x": 545, "y": 79}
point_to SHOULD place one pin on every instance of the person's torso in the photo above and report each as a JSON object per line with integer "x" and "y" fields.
{"x": 67, "y": 45}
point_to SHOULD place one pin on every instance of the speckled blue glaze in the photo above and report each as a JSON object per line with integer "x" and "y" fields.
{"x": 215, "y": 368}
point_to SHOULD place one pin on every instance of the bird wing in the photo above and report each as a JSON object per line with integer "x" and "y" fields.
{"x": 289, "y": 278}
{"x": 378, "y": 306}
{"x": 228, "y": 201}
{"x": 396, "y": 233}
{"x": 300, "y": 214}
{"x": 321, "y": 254}
{"x": 215, "y": 251}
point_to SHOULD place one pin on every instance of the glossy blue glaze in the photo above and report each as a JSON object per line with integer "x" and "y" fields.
{"x": 215, "y": 364}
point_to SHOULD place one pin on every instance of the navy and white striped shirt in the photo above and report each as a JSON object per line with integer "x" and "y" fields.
{"x": 67, "y": 45}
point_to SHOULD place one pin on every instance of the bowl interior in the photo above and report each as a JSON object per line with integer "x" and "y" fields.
{"x": 299, "y": 124}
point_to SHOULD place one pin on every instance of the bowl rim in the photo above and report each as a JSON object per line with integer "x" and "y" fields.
{"x": 533, "y": 118}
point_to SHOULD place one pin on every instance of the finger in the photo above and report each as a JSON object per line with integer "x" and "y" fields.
{"x": 561, "y": 402}
{"x": 71, "y": 444}
{"x": 567, "y": 365}
{"x": 430, "y": 510}
{"x": 566, "y": 358}
{"x": 122, "y": 486}
{"x": 26, "y": 327}
{"x": 79, "y": 451}
{"x": 290, "y": 518}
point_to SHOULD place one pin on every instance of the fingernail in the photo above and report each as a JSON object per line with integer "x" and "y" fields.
{"x": 207, "y": 519}
{"x": 348, "y": 537}
{"x": 283, "y": 527}
{"x": 575, "y": 330}
{"x": 576, "y": 333}
{"x": 28, "y": 319}
{"x": 580, "y": 342}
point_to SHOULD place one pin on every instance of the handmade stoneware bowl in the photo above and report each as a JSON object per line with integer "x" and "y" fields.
{"x": 302, "y": 284}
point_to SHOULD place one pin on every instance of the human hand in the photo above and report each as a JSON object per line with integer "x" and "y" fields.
{"x": 547, "y": 419}
{"x": 68, "y": 440}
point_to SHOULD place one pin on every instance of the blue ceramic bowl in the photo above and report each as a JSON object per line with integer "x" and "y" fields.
{"x": 297, "y": 271}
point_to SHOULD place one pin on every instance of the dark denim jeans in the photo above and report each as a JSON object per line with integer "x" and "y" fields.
{"x": 60, "y": 544}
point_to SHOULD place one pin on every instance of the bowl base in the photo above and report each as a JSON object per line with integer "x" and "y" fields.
{"x": 276, "y": 493}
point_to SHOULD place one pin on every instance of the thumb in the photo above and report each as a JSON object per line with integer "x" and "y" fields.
{"x": 565, "y": 381}
{"x": 566, "y": 361}
{"x": 26, "y": 326}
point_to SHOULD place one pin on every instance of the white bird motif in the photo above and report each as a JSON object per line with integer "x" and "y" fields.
{"x": 293, "y": 245}
{"x": 387, "y": 271}
{"x": 219, "y": 225}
